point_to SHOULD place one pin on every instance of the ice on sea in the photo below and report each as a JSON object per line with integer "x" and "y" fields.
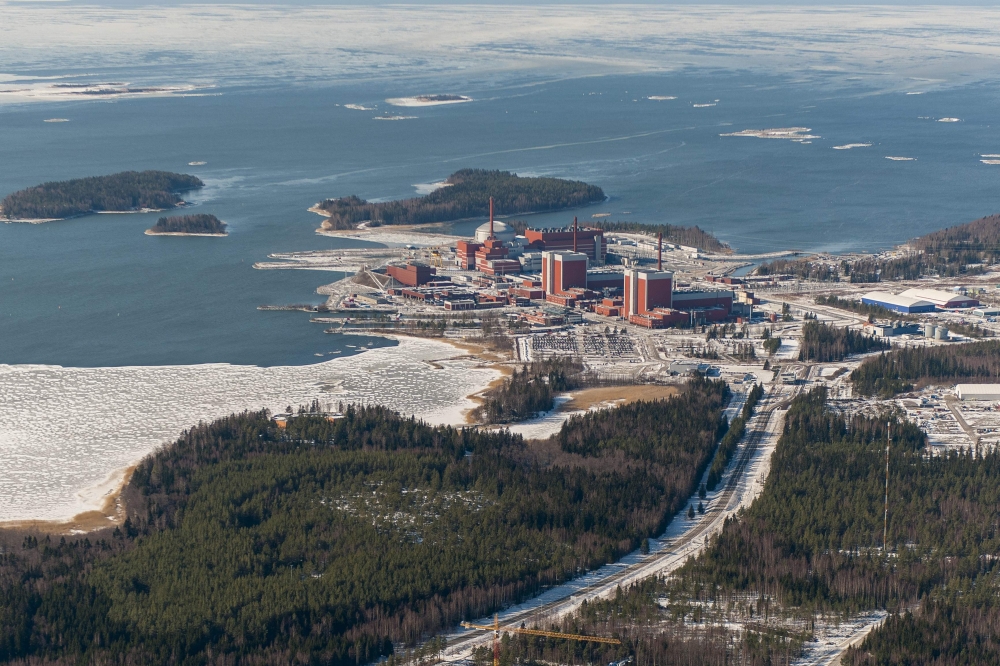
{"x": 65, "y": 432}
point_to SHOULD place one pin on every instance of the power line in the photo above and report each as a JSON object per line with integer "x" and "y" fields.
{"x": 885, "y": 523}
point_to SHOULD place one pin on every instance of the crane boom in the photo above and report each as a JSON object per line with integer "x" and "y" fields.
{"x": 496, "y": 629}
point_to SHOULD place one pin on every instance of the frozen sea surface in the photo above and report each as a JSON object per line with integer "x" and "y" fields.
{"x": 63, "y": 431}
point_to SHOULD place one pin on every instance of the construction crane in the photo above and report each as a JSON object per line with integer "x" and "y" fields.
{"x": 496, "y": 629}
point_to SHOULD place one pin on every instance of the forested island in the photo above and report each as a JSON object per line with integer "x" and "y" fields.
{"x": 200, "y": 224}
{"x": 330, "y": 541}
{"x": 125, "y": 192}
{"x": 466, "y": 194}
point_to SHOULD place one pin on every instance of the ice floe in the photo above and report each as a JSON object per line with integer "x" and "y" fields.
{"x": 427, "y": 188}
{"x": 797, "y": 134}
{"x": 900, "y": 159}
{"x": 848, "y": 146}
{"x": 428, "y": 100}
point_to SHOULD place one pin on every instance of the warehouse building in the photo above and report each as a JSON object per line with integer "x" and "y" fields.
{"x": 943, "y": 300}
{"x": 898, "y": 302}
{"x": 978, "y": 391}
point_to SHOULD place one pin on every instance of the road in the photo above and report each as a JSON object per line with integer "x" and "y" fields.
{"x": 682, "y": 539}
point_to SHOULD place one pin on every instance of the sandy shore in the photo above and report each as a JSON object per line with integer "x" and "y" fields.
{"x": 111, "y": 513}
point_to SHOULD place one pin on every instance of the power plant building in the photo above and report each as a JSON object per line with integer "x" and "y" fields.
{"x": 412, "y": 274}
{"x": 646, "y": 290}
{"x": 590, "y": 242}
{"x": 563, "y": 270}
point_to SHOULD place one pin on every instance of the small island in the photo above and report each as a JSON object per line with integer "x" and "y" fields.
{"x": 465, "y": 194}
{"x": 125, "y": 192}
{"x": 188, "y": 225}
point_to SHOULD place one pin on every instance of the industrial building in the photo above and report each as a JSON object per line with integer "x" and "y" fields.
{"x": 412, "y": 274}
{"x": 919, "y": 300}
{"x": 943, "y": 300}
{"x": 898, "y": 302}
{"x": 646, "y": 290}
{"x": 563, "y": 270}
{"x": 590, "y": 242}
{"x": 978, "y": 391}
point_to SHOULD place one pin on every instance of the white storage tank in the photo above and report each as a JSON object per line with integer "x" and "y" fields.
{"x": 941, "y": 333}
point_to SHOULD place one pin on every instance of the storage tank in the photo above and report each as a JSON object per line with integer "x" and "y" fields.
{"x": 941, "y": 333}
{"x": 929, "y": 330}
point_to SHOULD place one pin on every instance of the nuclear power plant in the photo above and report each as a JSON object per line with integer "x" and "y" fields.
{"x": 570, "y": 268}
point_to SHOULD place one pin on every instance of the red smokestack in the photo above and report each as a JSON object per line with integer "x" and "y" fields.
{"x": 491, "y": 218}
{"x": 659, "y": 252}
{"x": 574, "y": 233}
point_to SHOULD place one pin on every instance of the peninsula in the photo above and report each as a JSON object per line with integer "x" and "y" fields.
{"x": 125, "y": 192}
{"x": 188, "y": 225}
{"x": 465, "y": 194}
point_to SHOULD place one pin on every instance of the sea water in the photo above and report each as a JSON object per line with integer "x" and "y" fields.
{"x": 96, "y": 291}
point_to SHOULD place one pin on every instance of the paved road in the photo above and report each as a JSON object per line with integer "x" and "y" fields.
{"x": 681, "y": 540}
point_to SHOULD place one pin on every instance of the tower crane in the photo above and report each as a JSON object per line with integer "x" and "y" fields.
{"x": 496, "y": 628}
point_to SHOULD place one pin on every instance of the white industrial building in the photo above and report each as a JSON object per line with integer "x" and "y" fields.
{"x": 978, "y": 391}
{"x": 897, "y": 302}
{"x": 942, "y": 299}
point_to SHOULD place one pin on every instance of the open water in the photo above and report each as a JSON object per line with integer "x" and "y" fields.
{"x": 96, "y": 291}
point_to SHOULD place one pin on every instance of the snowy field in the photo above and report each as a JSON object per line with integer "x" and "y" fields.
{"x": 67, "y": 434}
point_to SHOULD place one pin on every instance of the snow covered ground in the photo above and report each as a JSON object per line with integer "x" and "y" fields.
{"x": 67, "y": 434}
{"x": 832, "y": 640}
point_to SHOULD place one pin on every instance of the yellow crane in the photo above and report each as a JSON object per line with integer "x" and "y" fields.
{"x": 496, "y": 629}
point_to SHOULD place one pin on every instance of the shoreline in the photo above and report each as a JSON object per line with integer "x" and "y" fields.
{"x": 42, "y": 220}
{"x": 150, "y": 232}
{"x": 96, "y": 503}
{"x": 111, "y": 513}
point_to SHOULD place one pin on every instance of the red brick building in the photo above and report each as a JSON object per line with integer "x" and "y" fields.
{"x": 646, "y": 290}
{"x": 411, "y": 274}
{"x": 562, "y": 270}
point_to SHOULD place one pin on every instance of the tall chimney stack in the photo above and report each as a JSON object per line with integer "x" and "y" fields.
{"x": 491, "y": 218}
{"x": 574, "y": 233}
{"x": 659, "y": 252}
